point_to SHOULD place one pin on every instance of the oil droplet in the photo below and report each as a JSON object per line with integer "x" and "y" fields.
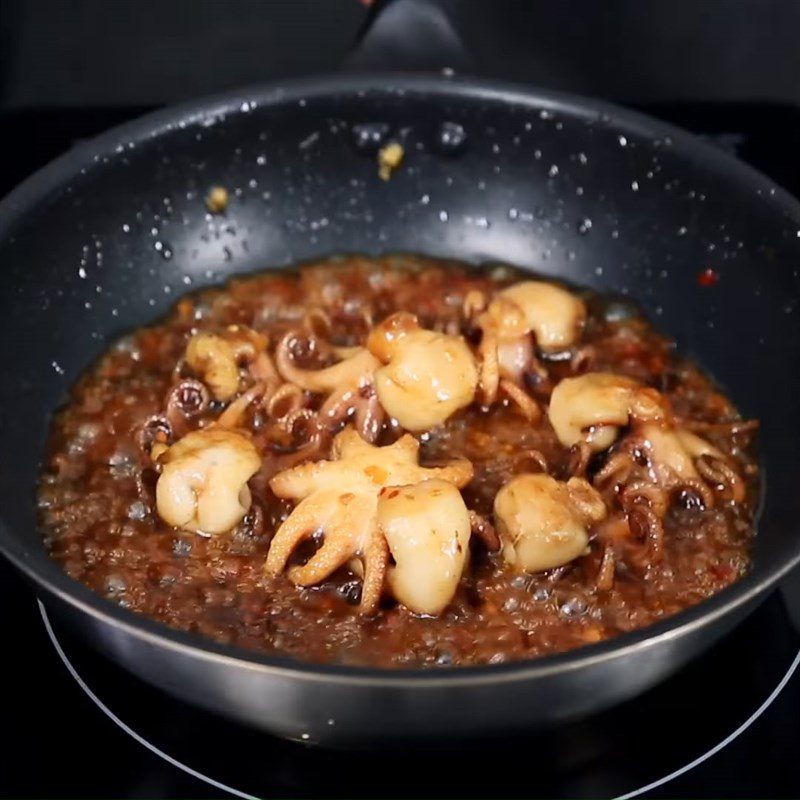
{"x": 635, "y": 186}
{"x": 126, "y": 228}
{"x": 81, "y": 273}
{"x": 451, "y": 138}
{"x": 369, "y": 136}
{"x": 623, "y": 140}
{"x": 443, "y": 216}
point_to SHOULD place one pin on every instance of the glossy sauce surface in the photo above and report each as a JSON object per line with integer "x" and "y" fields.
{"x": 97, "y": 504}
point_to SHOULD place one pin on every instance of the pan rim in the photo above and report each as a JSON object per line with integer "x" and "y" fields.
{"x": 48, "y": 575}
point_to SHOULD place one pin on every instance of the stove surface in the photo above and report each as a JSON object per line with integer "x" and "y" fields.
{"x": 727, "y": 726}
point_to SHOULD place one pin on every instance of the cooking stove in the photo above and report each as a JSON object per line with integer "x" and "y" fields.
{"x": 728, "y": 725}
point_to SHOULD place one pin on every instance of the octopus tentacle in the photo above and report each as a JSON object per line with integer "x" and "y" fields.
{"x": 309, "y": 516}
{"x": 583, "y": 358}
{"x": 262, "y": 369}
{"x": 736, "y": 427}
{"x": 616, "y": 470}
{"x": 339, "y": 405}
{"x": 579, "y": 456}
{"x": 232, "y": 415}
{"x": 369, "y": 417}
{"x": 318, "y": 322}
{"x": 530, "y": 454}
{"x": 327, "y": 379}
{"x": 485, "y": 531}
{"x": 185, "y": 400}
{"x": 701, "y": 489}
{"x": 723, "y": 477}
{"x": 605, "y": 575}
{"x": 651, "y": 525}
{"x": 376, "y": 563}
{"x": 309, "y": 451}
{"x": 459, "y": 472}
{"x": 285, "y": 400}
{"x": 474, "y": 302}
{"x": 525, "y": 403}
{"x": 333, "y": 554}
{"x": 489, "y": 380}
{"x": 639, "y": 491}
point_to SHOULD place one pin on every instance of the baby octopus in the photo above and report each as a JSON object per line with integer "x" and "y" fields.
{"x": 426, "y": 377}
{"x": 591, "y": 408}
{"x": 553, "y": 315}
{"x": 369, "y": 502}
{"x": 543, "y": 523}
{"x": 671, "y": 458}
{"x": 418, "y": 377}
{"x": 653, "y": 458}
{"x": 203, "y": 482}
{"x": 216, "y": 358}
{"x": 349, "y": 385}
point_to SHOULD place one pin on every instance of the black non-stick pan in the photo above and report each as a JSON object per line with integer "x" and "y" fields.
{"x": 108, "y": 236}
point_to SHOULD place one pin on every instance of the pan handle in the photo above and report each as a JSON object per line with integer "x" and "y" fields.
{"x": 408, "y": 36}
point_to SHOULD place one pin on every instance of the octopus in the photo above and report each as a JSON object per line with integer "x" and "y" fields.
{"x": 520, "y": 318}
{"x": 544, "y": 523}
{"x": 653, "y": 457}
{"x": 426, "y": 376}
{"x": 203, "y": 482}
{"x": 416, "y": 376}
{"x": 217, "y": 359}
{"x": 348, "y": 385}
{"x": 369, "y": 502}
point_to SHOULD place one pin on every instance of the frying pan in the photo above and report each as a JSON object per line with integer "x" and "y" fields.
{"x": 106, "y": 238}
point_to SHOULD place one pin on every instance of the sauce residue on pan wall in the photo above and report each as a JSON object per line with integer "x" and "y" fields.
{"x": 666, "y": 542}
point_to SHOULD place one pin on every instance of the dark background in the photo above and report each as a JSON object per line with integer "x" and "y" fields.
{"x": 70, "y": 68}
{"x": 150, "y": 52}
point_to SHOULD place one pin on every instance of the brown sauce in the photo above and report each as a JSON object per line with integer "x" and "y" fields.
{"x": 99, "y": 520}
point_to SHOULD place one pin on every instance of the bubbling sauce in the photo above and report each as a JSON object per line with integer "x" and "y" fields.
{"x": 664, "y": 545}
